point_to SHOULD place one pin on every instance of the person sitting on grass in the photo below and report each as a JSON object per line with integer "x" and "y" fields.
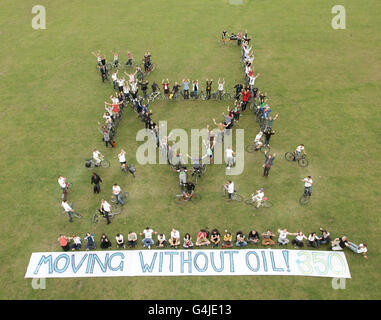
{"x": 282, "y": 239}
{"x": 313, "y": 240}
{"x": 161, "y": 242}
{"x": 89, "y": 237}
{"x": 215, "y": 238}
{"x": 253, "y": 237}
{"x": 240, "y": 240}
{"x": 325, "y": 237}
{"x": 132, "y": 239}
{"x": 77, "y": 243}
{"x": 174, "y": 241}
{"x": 188, "y": 244}
{"x": 268, "y": 238}
{"x": 202, "y": 239}
{"x": 119, "y": 241}
{"x": 227, "y": 240}
{"x": 105, "y": 242}
{"x": 147, "y": 240}
{"x": 361, "y": 248}
{"x": 298, "y": 241}
{"x": 339, "y": 244}
{"x": 64, "y": 242}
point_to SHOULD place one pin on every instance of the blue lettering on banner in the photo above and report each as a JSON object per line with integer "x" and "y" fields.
{"x": 145, "y": 266}
{"x": 188, "y": 261}
{"x": 171, "y": 254}
{"x": 67, "y": 262}
{"x": 273, "y": 263}
{"x": 231, "y": 253}
{"x": 89, "y": 261}
{"x": 221, "y": 259}
{"x": 99, "y": 262}
{"x": 73, "y": 266}
{"x": 121, "y": 264}
{"x": 248, "y": 262}
{"x": 205, "y": 264}
{"x": 286, "y": 259}
{"x": 264, "y": 260}
{"x": 44, "y": 260}
{"x": 161, "y": 261}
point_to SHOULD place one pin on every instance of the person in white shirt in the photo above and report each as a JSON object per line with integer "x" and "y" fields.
{"x": 174, "y": 241}
{"x": 116, "y": 190}
{"x": 161, "y": 242}
{"x": 105, "y": 210}
{"x": 77, "y": 243}
{"x": 229, "y": 188}
{"x": 97, "y": 156}
{"x": 298, "y": 241}
{"x": 258, "y": 197}
{"x": 258, "y": 141}
{"x": 68, "y": 209}
{"x": 282, "y": 240}
{"x": 361, "y": 248}
{"x": 62, "y": 183}
{"x": 308, "y": 185}
{"x": 221, "y": 84}
{"x": 298, "y": 151}
{"x": 114, "y": 77}
{"x": 147, "y": 241}
{"x": 229, "y": 157}
{"x": 120, "y": 84}
{"x": 120, "y": 241}
{"x": 313, "y": 240}
{"x": 122, "y": 157}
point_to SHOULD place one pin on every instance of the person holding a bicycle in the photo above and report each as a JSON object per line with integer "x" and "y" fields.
{"x": 229, "y": 187}
{"x": 105, "y": 210}
{"x": 308, "y": 185}
{"x": 257, "y": 197}
{"x": 299, "y": 151}
{"x": 63, "y": 184}
{"x": 258, "y": 141}
{"x": 97, "y": 157}
{"x": 116, "y": 190}
{"x": 68, "y": 209}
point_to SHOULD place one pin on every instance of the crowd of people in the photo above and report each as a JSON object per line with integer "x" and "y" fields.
{"x": 127, "y": 92}
{"x": 150, "y": 238}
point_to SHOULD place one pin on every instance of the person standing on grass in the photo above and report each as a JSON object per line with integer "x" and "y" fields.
{"x": 165, "y": 88}
{"x": 68, "y": 209}
{"x": 308, "y": 185}
{"x": 105, "y": 210}
{"x": 116, "y": 190}
{"x": 186, "y": 83}
{"x": 122, "y": 157}
{"x": 208, "y": 88}
{"x": 95, "y": 179}
{"x": 229, "y": 187}
{"x": 245, "y": 98}
{"x": 268, "y": 133}
{"x": 221, "y": 84}
{"x": 221, "y": 129}
{"x": 269, "y": 159}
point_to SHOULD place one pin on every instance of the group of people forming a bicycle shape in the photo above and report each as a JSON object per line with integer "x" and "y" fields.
{"x": 142, "y": 69}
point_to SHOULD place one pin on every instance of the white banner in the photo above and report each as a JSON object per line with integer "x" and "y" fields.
{"x": 128, "y": 263}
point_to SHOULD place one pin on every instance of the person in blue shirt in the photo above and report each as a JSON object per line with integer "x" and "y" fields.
{"x": 186, "y": 83}
{"x": 90, "y": 241}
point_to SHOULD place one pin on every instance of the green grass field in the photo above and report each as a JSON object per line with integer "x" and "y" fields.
{"x": 324, "y": 83}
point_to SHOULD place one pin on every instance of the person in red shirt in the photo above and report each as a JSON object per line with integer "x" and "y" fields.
{"x": 245, "y": 98}
{"x": 166, "y": 87}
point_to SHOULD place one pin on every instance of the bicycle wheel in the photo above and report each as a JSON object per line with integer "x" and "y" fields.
{"x": 224, "y": 191}
{"x": 237, "y": 197}
{"x": 304, "y": 199}
{"x": 116, "y": 209}
{"x": 203, "y": 169}
{"x": 267, "y": 204}
{"x": 303, "y": 162}
{"x": 77, "y": 215}
{"x": 108, "y": 66}
{"x": 202, "y": 95}
{"x": 249, "y": 202}
{"x": 265, "y": 149}
{"x": 195, "y": 198}
{"x": 105, "y": 163}
{"x": 125, "y": 196}
{"x": 95, "y": 217}
{"x": 179, "y": 199}
{"x": 250, "y": 148}
{"x": 289, "y": 156}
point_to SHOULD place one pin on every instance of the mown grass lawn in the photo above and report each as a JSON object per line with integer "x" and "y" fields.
{"x": 324, "y": 83}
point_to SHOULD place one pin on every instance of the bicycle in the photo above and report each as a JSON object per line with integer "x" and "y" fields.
{"x": 265, "y": 203}
{"x": 114, "y": 211}
{"x": 132, "y": 64}
{"x": 129, "y": 169}
{"x": 302, "y": 161}
{"x": 154, "y": 95}
{"x": 73, "y": 213}
{"x": 199, "y": 172}
{"x": 304, "y": 199}
{"x": 90, "y": 163}
{"x": 152, "y": 67}
{"x": 251, "y": 148}
{"x": 123, "y": 195}
{"x": 235, "y": 196}
{"x": 179, "y": 198}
